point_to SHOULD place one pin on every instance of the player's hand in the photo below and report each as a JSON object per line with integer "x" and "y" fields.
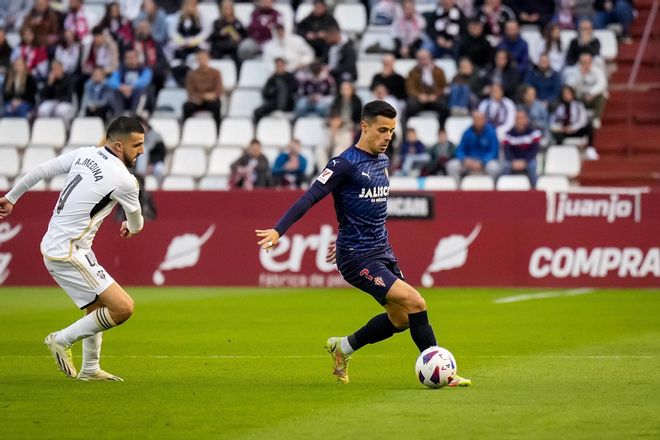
{"x": 269, "y": 238}
{"x": 124, "y": 232}
{"x": 331, "y": 256}
{"x": 5, "y": 207}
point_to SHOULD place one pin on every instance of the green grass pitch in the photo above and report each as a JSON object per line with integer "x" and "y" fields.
{"x": 249, "y": 364}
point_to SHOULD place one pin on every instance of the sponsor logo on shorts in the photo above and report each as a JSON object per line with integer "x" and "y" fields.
{"x": 377, "y": 280}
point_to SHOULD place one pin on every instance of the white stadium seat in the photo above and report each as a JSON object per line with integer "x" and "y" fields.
{"x": 286, "y": 11}
{"x": 178, "y": 183}
{"x": 404, "y": 183}
{"x": 199, "y": 132}
{"x": 94, "y": 13}
{"x": 9, "y": 162}
{"x": 566, "y": 36}
{"x": 552, "y": 183}
{"x": 209, "y": 12}
{"x": 244, "y": 102}
{"x": 426, "y": 129}
{"x": 57, "y": 182}
{"x": 87, "y": 131}
{"x": 4, "y": 183}
{"x": 14, "y": 132}
{"x": 609, "y": 48}
{"x": 221, "y": 160}
{"x": 403, "y": 67}
{"x": 170, "y": 101}
{"x": 477, "y": 183}
{"x": 236, "y": 132}
{"x": 150, "y": 183}
{"x": 304, "y": 9}
{"x": 440, "y": 183}
{"x": 254, "y": 74}
{"x": 271, "y": 154}
{"x": 311, "y": 131}
{"x": 243, "y": 11}
{"x": 448, "y": 66}
{"x": 188, "y": 161}
{"x": 455, "y": 126}
{"x": 227, "y": 69}
{"x": 534, "y": 39}
{"x": 384, "y": 39}
{"x": 34, "y": 156}
{"x": 366, "y": 69}
{"x": 214, "y": 183}
{"x": 48, "y": 132}
{"x": 351, "y": 17}
{"x": 514, "y": 182}
{"x": 274, "y": 132}
{"x": 169, "y": 130}
{"x": 563, "y": 160}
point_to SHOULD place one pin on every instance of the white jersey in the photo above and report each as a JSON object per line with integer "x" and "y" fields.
{"x": 97, "y": 180}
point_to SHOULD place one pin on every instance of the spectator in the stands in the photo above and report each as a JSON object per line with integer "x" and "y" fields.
{"x": 119, "y": 27}
{"x": 553, "y": 47}
{"x": 57, "y": 94}
{"x": 342, "y": 56}
{"x": 227, "y": 33}
{"x": 187, "y": 37}
{"x": 292, "y": 47}
{"x": 20, "y": 90}
{"x": 500, "y": 111}
{"x": 12, "y": 13}
{"x": 584, "y": 42}
{"x": 395, "y": 83}
{"x": 408, "y": 31}
{"x": 465, "y": 89}
{"x": 493, "y": 14}
{"x": 533, "y": 12}
{"x": 545, "y": 80}
{"x": 345, "y": 114}
{"x": 503, "y": 73}
{"x": 313, "y": 27}
{"x": 5, "y": 56}
{"x": 279, "y": 92}
{"x": 536, "y": 111}
{"x": 513, "y": 43}
{"x": 45, "y": 22}
{"x": 35, "y": 56}
{"x": 590, "y": 85}
{"x": 478, "y": 151}
{"x": 97, "y": 96}
{"x": 425, "y": 86}
{"x": 152, "y": 162}
{"x": 289, "y": 167}
{"x": 475, "y": 46}
{"x": 169, "y": 6}
{"x": 103, "y": 52}
{"x": 615, "y": 11}
{"x": 151, "y": 54}
{"x": 262, "y": 21}
{"x": 68, "y": 53}
{"x": 252, "y": 169}
{"x": 316, "y": 91}
{"x": 130, "y": 84}
{"x": 569, "y": 119}
{"x": 521, "y": 145}
{"x": 444, "y": 26}
{"x": 75, "y": 19}
{"x": 204, "y": 87}
{"x": 381, "y": 93}
{"x": 412, "y": 154}
{"x": 384, "y": 12}
{"x": 156, "y": 17}
{"x": 440, "y": 153}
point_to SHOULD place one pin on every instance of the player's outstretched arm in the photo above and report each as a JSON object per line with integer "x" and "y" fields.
{"x": 5, "y": 207}
{"x": 269, "y": 238}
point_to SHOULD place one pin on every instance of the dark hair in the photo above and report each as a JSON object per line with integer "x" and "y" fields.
{"x": 377, "y": 108}
{"x": 123, "y": 126}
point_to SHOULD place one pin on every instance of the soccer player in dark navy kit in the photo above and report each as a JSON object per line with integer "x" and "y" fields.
{"x": 359, "y": 182}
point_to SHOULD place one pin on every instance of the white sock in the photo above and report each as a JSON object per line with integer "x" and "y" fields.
{"x": 88, "y": 325}
{"x": 91, "y": 353}
{"x": 346, "y": 346}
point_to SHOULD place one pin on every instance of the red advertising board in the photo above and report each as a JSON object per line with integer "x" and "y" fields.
{"x": 602, "y": 238}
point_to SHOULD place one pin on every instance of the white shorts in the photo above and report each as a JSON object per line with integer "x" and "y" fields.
{"x": 81, "y": 276}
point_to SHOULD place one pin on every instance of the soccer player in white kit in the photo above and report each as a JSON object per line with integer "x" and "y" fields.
{"x": 98, "y": 178}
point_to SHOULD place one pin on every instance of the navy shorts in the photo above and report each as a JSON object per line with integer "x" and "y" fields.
{"x": 372, "y": 274}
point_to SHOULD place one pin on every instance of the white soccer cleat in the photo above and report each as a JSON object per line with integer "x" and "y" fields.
{"x": 98, "y": 375}
{"x": 339, "y": 359}
{"x": 62, "y": 355}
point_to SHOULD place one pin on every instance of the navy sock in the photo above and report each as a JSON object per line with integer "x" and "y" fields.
{"x": 377, "y": 329}
{"x": 421, "y": 331}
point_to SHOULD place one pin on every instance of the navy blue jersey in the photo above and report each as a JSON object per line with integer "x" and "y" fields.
{"x": 360, "y": 185}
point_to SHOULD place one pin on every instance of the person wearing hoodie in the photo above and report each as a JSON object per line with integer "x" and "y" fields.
{"x": 546, "y": 81}
{"x": 516, "y": 46}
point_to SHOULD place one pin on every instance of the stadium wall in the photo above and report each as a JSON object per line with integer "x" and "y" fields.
{"x": 601, "y": 238}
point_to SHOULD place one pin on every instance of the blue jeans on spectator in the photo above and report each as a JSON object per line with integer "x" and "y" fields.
{"x": 20, "y": 111}
{"x": 530, "y": 171}
{"x": 306, "y": 107}
{"x": 459, "y": 97}
{"x": 621, "y": 13}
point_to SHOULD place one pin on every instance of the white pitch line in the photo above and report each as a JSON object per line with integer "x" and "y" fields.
{"x": 542, "y": 295}
{"x": 229, "y": 356}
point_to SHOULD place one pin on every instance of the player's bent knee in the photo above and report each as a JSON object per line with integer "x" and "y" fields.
{"x": 122, "y": 311}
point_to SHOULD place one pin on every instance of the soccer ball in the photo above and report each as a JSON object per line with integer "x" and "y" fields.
{"x": 435, "y": 367}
